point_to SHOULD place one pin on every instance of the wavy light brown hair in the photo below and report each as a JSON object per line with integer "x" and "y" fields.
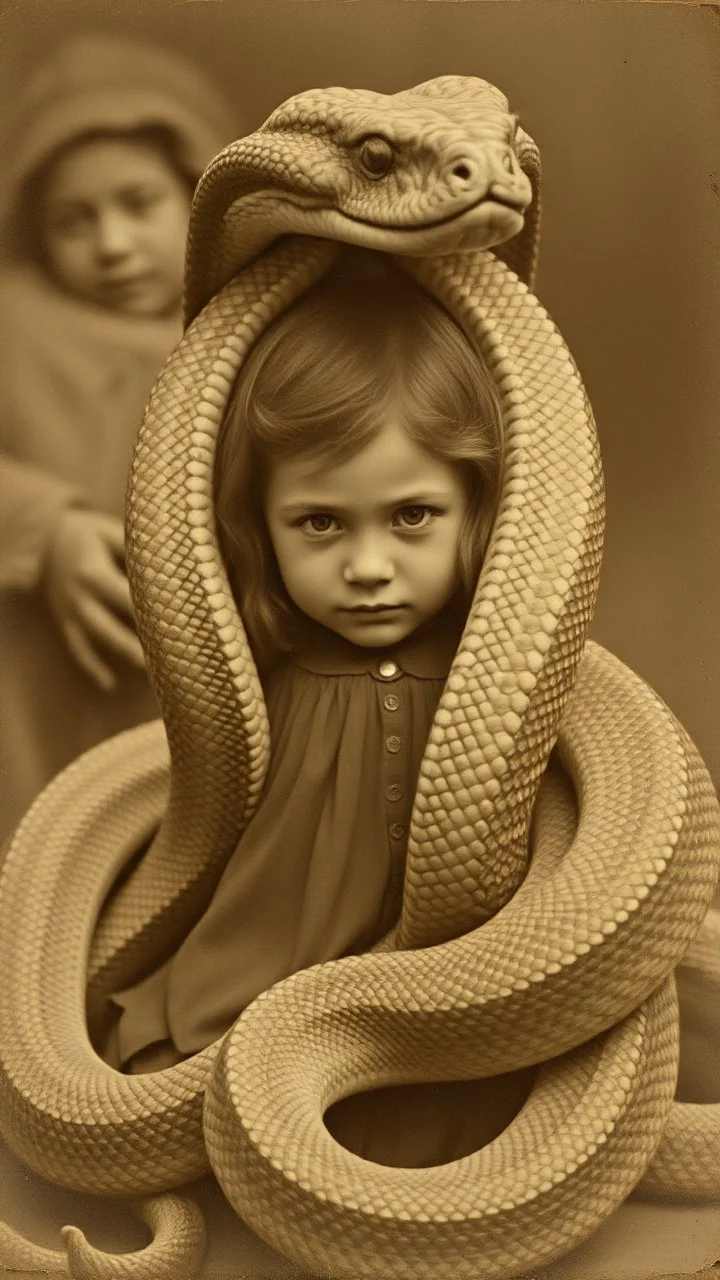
{"x": 363, "y": 344}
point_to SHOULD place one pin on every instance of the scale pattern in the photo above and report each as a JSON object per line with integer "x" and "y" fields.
{"x": 542, "y": 745}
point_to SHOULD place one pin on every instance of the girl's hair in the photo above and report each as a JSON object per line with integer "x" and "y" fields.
{"x": 363, "y": 344}
{"x": 161, "y": 137}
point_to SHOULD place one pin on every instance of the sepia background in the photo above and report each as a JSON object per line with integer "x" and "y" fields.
{"x": 622, "y": 100}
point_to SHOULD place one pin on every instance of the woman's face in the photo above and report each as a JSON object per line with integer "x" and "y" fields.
{"x": 113, "y": 219}
{"x": 368, "y": 548}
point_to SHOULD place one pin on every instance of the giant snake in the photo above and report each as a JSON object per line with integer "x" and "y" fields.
{"x": 565, "y": 837}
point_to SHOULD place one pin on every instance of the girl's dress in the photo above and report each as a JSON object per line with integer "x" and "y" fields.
{"x": 74, "y": 380}
{"x": 318, "y": 874}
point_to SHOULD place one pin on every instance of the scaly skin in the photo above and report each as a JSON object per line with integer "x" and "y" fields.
{"x": 493, "y": 966}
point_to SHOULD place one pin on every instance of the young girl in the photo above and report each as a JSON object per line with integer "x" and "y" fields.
{"x": 356, "y": 482}
{"x": 108, "y": 141}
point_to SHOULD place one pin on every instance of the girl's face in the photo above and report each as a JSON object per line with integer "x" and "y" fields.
{"x": 369, "y": 547}
{"x": 113, "y": 222}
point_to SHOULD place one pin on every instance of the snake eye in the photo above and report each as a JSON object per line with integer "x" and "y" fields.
{"x": 376, "y": 156}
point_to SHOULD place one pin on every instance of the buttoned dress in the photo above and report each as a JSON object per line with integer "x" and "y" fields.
{"x": 319, "y": 870}
{"x": 318, "y": 874}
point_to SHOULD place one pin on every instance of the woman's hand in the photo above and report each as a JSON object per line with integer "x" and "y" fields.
{"x": 88, "y": 592}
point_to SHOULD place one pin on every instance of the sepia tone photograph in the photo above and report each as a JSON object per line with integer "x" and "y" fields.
{"x": 359, "y": 684}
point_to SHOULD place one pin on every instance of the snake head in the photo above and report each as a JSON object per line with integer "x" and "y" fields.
{"x": 427, "y": 164}
{"x": 436, "y": 169}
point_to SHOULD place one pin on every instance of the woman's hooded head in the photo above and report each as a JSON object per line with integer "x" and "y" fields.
{"x": 99, "y": 91}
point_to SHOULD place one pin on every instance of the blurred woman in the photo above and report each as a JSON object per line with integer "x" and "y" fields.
{"x": 107, "y": 144}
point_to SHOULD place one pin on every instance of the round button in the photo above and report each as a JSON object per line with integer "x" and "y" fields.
{"x": 391, "y": 702}
{"x": 394, "y": 791}
{"x": 388, "y": 669}
{"x": 397, "y": 830}
{"x": 393, "y": 744}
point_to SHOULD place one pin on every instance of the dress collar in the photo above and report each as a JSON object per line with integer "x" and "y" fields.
{"x": 427, "y": 653}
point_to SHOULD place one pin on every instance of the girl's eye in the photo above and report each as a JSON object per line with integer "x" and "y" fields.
{"x": 414, "y": 517}
{"x": 318, "y": 524}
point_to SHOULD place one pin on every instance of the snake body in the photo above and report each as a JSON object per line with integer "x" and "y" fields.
{"x": 543, "y": 744}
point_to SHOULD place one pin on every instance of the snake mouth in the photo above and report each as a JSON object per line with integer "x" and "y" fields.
{"x": 518, "y": 206}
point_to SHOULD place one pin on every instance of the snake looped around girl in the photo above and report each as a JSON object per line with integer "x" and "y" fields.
{"x": 564, "y": 839}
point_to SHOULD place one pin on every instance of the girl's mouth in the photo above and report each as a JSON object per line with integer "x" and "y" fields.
{"x": 373, "y": 608}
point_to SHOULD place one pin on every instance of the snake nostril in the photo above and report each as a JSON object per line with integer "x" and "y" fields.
{"x": 462, "y": 171}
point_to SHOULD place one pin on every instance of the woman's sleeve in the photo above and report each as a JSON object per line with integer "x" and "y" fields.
{"x": 31, "y": 501}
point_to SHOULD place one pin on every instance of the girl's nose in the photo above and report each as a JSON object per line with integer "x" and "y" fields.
{"x": 368, "y": 565}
